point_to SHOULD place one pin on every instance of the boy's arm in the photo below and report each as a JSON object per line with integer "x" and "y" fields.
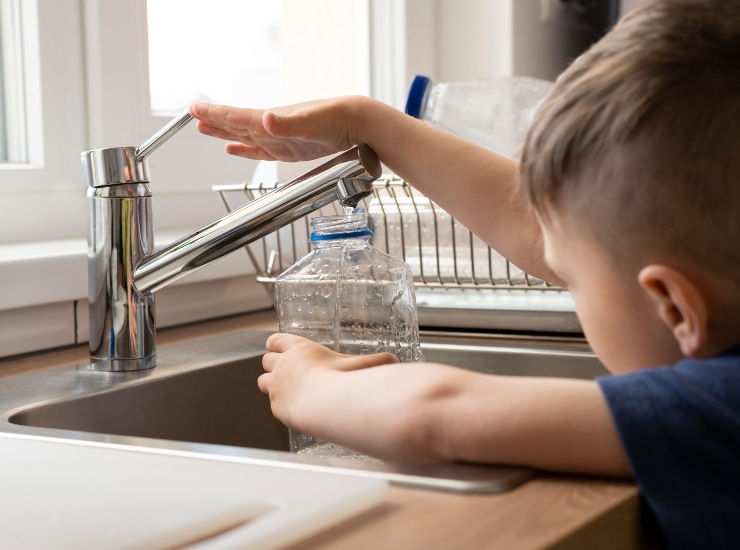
{"x": 429, "y": 412}
{"x": 474, "y": 185}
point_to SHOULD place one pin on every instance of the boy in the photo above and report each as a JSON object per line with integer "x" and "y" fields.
{"x": 628, "y": 195}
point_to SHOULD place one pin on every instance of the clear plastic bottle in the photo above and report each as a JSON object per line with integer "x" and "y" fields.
{"x": 350, "y": 297}
{"x": 494, "y": 113}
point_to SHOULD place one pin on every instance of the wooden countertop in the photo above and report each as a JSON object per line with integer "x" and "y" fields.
{"x": 550, "y": 511}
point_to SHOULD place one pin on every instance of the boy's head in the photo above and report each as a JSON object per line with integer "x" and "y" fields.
{"x": 637, "y": 147}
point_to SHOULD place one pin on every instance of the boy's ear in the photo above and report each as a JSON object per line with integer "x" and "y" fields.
{"x": 680, "y": 304}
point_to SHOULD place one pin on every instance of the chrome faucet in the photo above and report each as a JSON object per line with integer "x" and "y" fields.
{"x": 123, "y": 269}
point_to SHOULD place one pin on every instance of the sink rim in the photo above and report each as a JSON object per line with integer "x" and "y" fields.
{"x": 58, "y": 384}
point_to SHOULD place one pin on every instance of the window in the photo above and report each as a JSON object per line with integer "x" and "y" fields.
{"x": 257, "y": 53}
{"x": 138, "y": 80}
{"x": 236, "y": 60}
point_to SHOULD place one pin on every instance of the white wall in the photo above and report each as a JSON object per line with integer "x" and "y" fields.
{"x": 473, "y": 39}
{"x": 484, "y": 38}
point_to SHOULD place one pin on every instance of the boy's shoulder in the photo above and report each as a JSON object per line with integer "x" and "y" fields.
{"x": 690, "y": 390}
{"x": 680, "y": 429}
{"x": 713, "y": 373}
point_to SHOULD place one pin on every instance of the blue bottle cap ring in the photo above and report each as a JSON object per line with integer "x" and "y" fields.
{"x": 417, "y": 92}
{"x": 365, "y": 232}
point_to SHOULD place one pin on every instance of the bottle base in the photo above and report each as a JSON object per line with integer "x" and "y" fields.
{"x": 304, "y": 444}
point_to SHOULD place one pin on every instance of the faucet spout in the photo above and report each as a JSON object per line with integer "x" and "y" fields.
{"x": 346, "y": 178}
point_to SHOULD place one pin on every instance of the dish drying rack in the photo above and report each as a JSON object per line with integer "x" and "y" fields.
{"x": 461, "y": 283}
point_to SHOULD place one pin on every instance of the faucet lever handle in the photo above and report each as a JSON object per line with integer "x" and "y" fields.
{"x": 153, "y": 143}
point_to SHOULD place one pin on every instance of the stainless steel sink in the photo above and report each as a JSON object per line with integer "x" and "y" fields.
{"x": 203, "y": 398}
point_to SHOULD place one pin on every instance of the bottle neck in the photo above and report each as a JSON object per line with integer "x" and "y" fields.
{"x": 347, "y": 243}
{"x": 335, "y": 230}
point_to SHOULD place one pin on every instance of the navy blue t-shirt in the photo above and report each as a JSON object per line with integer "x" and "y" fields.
{"x": 680, "y": 428}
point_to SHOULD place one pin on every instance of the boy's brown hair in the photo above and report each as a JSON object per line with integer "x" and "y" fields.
{"x": 638, "y": 142}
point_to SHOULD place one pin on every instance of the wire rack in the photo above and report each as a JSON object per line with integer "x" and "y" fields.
{"x": 460, "y": 281}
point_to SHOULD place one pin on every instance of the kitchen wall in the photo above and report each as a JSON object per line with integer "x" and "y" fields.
{"x": 481, "y": 39}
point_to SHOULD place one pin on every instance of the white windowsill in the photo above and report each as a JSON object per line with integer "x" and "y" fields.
{"x": 43, "y": 293}
{"x": 40, "y": 273}
{"x": 46, "y": 272}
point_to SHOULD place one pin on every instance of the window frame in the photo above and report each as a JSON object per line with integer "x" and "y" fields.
{"x": 47, "y": 186}
{"x": 12, "y": 98}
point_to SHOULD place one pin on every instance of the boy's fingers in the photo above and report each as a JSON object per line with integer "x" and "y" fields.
{"x": 267, "y": 361}
{"x": 274, "y": 124}
{"x": 263, "y": 383}
{"x": 280, "y": 342}
{"x": 365, "y": 361}
{"x": 248, "y": 151}
{"x": 264, "y": 151}
{"x": 282, "y": 125}
{"x": 348, "y": 363}
{"x": 225, "y": 117}
{"x": 197, "y": 109}
{"x": 216, "y": 131}
{"x": 215, "y": 115}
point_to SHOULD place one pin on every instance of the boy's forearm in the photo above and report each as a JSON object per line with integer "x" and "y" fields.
{"x": 449, "y": 414}
{"x": 476, "y": 186}
{"x": 554, "y": 424}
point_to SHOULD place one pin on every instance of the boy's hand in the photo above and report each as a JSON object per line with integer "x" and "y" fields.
{"x": 296, "y": 372}
{"x": 304, "y": 131}
{"x": 432, "y": 160}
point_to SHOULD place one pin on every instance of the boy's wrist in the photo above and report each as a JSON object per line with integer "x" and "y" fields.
{"x": 366, "y": 121}
{"x": 356, "y": 106}
{"x": 315, "y": 403}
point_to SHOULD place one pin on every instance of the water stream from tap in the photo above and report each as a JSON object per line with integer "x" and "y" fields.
{"x": 347, "y": 211}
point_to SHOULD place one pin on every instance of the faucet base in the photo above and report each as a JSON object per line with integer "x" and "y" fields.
{"x": 122, "y": 365}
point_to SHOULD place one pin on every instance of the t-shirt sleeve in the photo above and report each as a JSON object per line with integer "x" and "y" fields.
{"x": 680, "y": 428}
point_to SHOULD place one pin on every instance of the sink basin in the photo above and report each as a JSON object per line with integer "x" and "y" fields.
{"x": 203, "y": 398}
